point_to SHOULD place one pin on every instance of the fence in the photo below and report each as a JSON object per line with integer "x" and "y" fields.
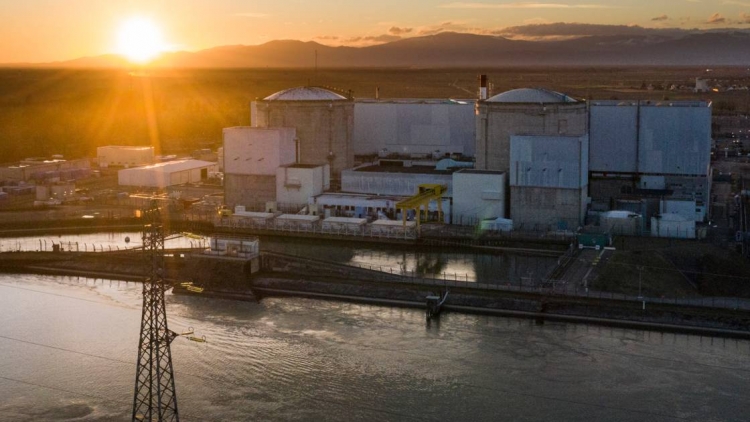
{"x": 539, "y": 286}
{"x": 314, "y": 228}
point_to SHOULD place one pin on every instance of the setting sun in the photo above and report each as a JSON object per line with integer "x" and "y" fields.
{"x": 139, "y": 40}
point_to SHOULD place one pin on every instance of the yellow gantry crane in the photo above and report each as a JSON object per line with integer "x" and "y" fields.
{"x": 426, "y": 193}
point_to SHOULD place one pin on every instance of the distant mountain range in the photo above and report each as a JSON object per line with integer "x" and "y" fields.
{"x": 449, "y": 49}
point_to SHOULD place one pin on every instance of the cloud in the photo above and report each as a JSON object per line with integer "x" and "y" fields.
{"x": 744, "y": 17}
{"x": 327, "y": 37}
{"x": 716, "y": 18}
{"x": 371, "y": 39}
{"x": 469, "y": 5}
{"x": 253, "y": 15}
{"x": 566, "y": 30}
{"x": 451, "y": 27}
{"x": 395, "y": 30}
{"x": 660, "y": 18}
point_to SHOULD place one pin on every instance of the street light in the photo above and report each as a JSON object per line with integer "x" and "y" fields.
{"x": 640, "y": 279}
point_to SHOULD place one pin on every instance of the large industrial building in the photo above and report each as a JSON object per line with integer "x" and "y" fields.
{"x": 124, "y": 156}
{"x": 651, "y": 157}
{"x": 251, "y": 159}
{"x": 170, "y": 173}
{"x": 526, "y": 111}
{"x": 413, "y": 126}
{"x": 323, "y": 120}
{"x": 540, "y": 158}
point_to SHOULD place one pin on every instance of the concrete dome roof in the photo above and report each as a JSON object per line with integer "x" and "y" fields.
{"x": 531, "y": 95}
{"x": 305, "y": 93}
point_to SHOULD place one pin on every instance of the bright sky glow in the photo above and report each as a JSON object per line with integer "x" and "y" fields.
{"x": 139, "y": 40}
{"x": 48, "y": 30}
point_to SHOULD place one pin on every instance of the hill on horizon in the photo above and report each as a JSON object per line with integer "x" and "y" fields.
{"x": 456, "y": 50}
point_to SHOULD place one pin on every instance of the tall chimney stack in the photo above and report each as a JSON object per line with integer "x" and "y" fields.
{"x": 482, "y": 87}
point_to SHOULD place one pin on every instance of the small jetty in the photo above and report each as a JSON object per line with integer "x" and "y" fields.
{"x": 435, "y": 304}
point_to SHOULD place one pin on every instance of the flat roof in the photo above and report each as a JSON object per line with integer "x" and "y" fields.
{"x": 393, "y": 223}
{"x": 449, "y": 101}
{"x": 303, "y": 166}
{"x": 346, "y": 220}
{"x": 298, "y": 217}
{"x": 650, "y": 103}
{"x": 399, "y": 169}
{"x": 178, "y": 165}
{"x": 475, "y": 171}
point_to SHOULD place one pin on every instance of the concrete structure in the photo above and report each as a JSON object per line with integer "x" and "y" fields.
{"x": 621, "y": 223}
{"x": 253, "y": 218}
{"x": 685, "y": 207}
{"x": 523, "y": 112}
{"x": 650, "y": 149}
{"x": 397, "y": 178}
{"x": 549, "y": 181}
{"x": 393, "y": 228}
{"x": 413, "y": 126}
{"x": 478, "y": 195}
{"x": 59, "y": 191}
{"x": 297, "y": 222}
{"x": 298, "y": 184}
{"x": 324, "y": 123}
{"x": 251, "y": 159}
{"x": 49, "y": 170}
{"x": 161, "y": 175}
{"x": 497, "y": 224}
{"x": 124, "y": 156}
{"x": 344, "y": 224}
{"x": 355, "y": 205}
{"x": 248, "y": 248}
{"x": 672, "y": 225}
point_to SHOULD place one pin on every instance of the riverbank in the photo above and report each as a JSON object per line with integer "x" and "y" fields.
{"x": 290, "y": 276}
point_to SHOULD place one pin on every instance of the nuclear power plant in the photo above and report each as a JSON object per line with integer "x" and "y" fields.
{"x": 531, "y": 158}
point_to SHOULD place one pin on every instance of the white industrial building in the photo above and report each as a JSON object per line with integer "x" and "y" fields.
{"x": 124, "y": 156}
{"x": 252, "y": 157}
{"x": 414, "y": 126}
{"x": 652, "y": 151}
{"x": 478, "y": 195}
{"x": 394, "y": 178}
{"x": 549, "y": 181}
{"x": 298, "y": 184}
{"x": 165, "y": 174}
{"x": 541, "y": 158}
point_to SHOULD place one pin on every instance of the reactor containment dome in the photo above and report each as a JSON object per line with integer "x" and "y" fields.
{"x": 305, "y": 93}
{"x": 531, "y": 96}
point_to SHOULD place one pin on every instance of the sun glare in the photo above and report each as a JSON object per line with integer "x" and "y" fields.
{"x": 139, "y": 40}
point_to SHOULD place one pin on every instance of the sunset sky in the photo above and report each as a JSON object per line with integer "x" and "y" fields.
{"x": 48, "y": 30}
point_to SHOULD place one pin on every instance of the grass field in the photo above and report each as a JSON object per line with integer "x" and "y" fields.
{"x": 70, "y": 112}
{"x": 681, "y": 270}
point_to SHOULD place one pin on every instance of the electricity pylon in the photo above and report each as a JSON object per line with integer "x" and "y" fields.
{"x": 155, "y": 397}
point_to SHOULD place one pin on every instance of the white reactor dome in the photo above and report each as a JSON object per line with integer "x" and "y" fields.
{"x": 305, "y": 93}
{"x": 531, "y": 96}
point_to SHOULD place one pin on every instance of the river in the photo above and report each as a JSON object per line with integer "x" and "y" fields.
{"x": 68, "y": 348}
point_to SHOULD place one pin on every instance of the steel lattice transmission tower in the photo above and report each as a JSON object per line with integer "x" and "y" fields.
{"x": 155, "y": 397}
